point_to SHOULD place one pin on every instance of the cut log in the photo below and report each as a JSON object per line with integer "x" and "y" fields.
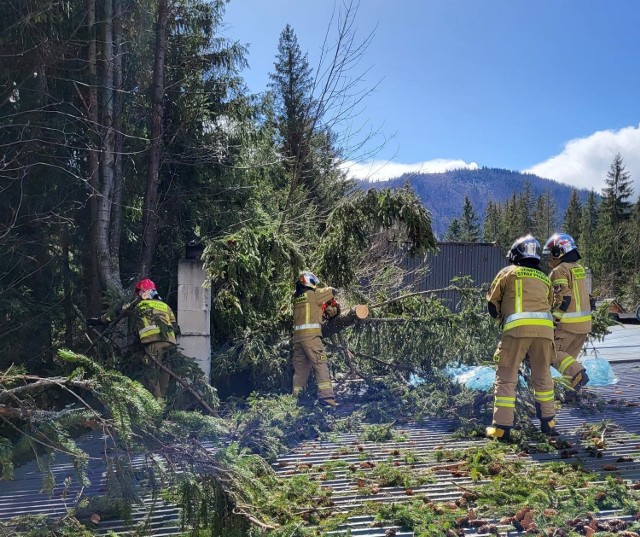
{"x": 342, "y": 322}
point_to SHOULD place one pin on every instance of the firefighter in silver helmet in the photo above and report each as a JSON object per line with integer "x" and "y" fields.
{"x": 571, "y": 306}
{"x": 520, "y": 297}
{"x": 308, "y": 349}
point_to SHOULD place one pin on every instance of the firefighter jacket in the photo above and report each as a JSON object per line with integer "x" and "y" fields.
{"x": 307, "y": 313}
{"x": 571, "y": 307}
{"x": 155, "y": 321}
{"x": 522, "y": 298}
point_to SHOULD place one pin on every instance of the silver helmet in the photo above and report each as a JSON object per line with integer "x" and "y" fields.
{"x": 559, "y": 244}
{"x": 526, "y": 247}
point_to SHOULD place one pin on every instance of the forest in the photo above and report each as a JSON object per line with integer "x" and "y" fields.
{"x": 126, "y": 134}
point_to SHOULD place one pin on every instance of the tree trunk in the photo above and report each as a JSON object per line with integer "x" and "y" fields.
{"x": 342, "y": 322}
{"x": 118, "y": 179}
{"x": 66, "y": 286}
{"x": 151, "y": 199}
{"x": 107, "y": 162}
{"x": 95, "y": 292}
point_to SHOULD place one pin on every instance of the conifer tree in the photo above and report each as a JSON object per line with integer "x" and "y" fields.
{"x": 470, "y": 229}
{"x": 632, "y": 287}
{"x": 524, "y": 220}
{"x": 465, "y": 228}
{"x": 454, "y": 231}
{"x": 573, "y": 216}
{"x": 613, "y": 228}
{"x": 307, "y": 146}
{"x": 491, "y": 227}
{"x": 512, "y": 220}
{"x": 588, "y": 226}
{"x": 545, "y": 217}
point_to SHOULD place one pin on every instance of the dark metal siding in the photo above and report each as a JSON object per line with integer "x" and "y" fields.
{"x": 479, "y": 260}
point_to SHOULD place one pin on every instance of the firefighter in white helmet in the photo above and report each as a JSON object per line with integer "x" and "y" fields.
{"x": 308, "y": 349}
{"x": 520, "y": 296}
{"x": 571, "y": 306}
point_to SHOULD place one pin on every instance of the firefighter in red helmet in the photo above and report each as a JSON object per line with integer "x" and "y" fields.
{"x": 571, "y": 307}
{"x": 308, "y": 349}
{"x": 520, "y": 296}
{"x": 156, "y": 327}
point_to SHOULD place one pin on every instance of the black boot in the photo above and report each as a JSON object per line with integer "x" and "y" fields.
{"x": 548, "y": 426}
{"x": 328, "y": 402}
{"x": 579, "y": 380}
{"x": 500, "y": 432}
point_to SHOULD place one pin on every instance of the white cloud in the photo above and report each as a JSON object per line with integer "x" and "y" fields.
{"x": 382, "y": 170}
{"x": 584, "y": 162}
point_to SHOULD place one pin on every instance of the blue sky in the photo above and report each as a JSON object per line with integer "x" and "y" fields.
{"x": 547, "y": 86}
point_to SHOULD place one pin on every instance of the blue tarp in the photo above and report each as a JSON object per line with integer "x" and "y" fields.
{"x": 482, "y": 377}
{"x": 600, "y": 372}
{"x": 474, "y": 377}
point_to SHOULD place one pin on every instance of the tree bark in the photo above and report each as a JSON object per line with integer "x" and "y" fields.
{"x": 95, "y": 292}
{"x": 342, "y": 322}
{"x": 107, "y": 161}
{"x": 151, "y": 198}
{"x": 118, "y": 179}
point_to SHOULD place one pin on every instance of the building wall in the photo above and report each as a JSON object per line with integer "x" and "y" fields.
{"x": 481, "y": 261}
{"x": 194, "y": 313}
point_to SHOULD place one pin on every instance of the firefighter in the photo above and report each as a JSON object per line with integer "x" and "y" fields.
{"x": 571, "y": 307}
{"x": 156, "y": 326}
{"x": 521, "y": 296}
{"x": 308, "y": 349}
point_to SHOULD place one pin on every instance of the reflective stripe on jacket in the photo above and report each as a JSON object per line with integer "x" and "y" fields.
{"x": 569, "y": 282}
{"x": 155, "y": 321}
{"x": 307, "y": 313}
{"x": 522, "y": 297}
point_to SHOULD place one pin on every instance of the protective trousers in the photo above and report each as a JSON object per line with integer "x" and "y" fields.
{"x": 159, "y": 380}
{"x": 568, "y": 347}
{"x": 510, "y": 353}
{"x": 307, "y": 354}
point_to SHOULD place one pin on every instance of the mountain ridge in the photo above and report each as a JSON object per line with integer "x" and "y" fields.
{"x": 443, "y": 193}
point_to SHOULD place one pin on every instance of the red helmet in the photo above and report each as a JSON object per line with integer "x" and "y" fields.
{"x": 144, "y": 285}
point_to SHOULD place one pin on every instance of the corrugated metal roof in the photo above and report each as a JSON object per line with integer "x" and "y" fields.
{"x": 479, "y": 260}
{"x": 22, "y": 495}
{"x": 421, "y": 441}
{"x": 622, "y": 344}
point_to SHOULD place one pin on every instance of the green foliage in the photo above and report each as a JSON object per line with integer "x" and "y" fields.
{"x": 600, "y": 322}
{"x": 421, "y": 335}
{"x": 251, "y": 271}
{"x": 206, "y": 507}
{"x": 268, "y": 425}
{"x": 466, "y": 228}
{"x": 573, "y": 216}
{"x": 390, "y": 475}
{"x": 43, "y": 526}
{"x": 125, "y": 400}
{"x": 6, "y": 459}
{"x": 611, "y": 254}
{"x": 198, "y": 425}
{"x": 354, "y": 222}
{"x": 424, "y": 519}
{"x": 377, "y": 432}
